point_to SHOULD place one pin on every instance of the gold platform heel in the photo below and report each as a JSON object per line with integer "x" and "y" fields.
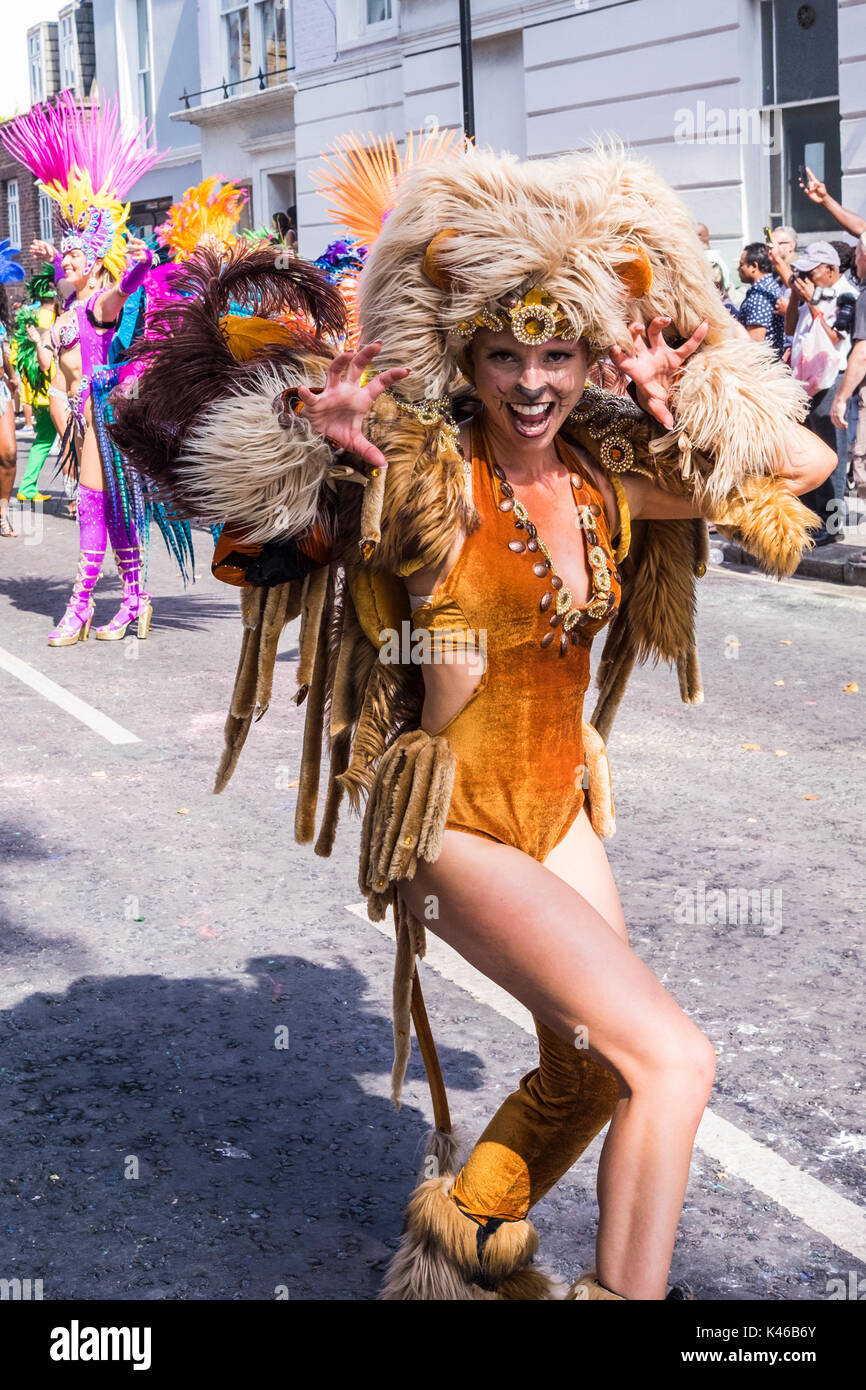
{"x": 68, "y": 639}
{"x": 144, "y": 619}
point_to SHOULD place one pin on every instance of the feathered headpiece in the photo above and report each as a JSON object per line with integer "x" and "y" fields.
{"x": 86, "y": 160}
{"x": 360, "y": 182}
{"x": 10, "y": 269}
{"x": 207, "y": 215}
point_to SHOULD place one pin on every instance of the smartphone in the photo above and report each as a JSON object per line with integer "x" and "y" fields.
{"x": 803, "y": 175}
{"x": 768, "y": 236}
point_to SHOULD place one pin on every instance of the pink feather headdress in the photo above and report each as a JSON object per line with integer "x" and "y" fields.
{"x": 86, "y": 159}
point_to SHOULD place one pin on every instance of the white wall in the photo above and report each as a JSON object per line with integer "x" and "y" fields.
{"x": 549, "y": 76}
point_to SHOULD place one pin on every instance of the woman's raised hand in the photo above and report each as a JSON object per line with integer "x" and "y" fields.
{"x": 42, "y": 250}
{"x": 338, "y": 410}
{"x": 654, "y": 366}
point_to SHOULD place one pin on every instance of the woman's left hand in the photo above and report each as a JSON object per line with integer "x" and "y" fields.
{"x": 653, "y": 365}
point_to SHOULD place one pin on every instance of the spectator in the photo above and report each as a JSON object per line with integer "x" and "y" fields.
{"x": 818, "y": 293}
{"x": 782, "y": 250}
{"x": 783, "y": 242}
{"x": 758, "y": 310}
{"x": 713, "y": 256}
{"x": 736, "y": 327}
{"x": 854, "y": 380}
{"x": 846, "y": 253}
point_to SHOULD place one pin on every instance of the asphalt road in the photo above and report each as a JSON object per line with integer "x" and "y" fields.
{"x": 195, "y": 1042}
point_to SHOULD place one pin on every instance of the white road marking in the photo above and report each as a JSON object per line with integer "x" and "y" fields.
{"x": 823, "y": 1210}
{"x": 65, "y": 700}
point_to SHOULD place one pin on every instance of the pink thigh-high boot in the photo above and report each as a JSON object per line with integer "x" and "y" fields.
{"x": 136, "y": 605}
{"x": 74, "y": 626}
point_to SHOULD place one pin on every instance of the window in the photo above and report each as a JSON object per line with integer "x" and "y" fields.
{"x": 68, "y": 53}
{"x": 145, "y": 98}
{"x": 365, "y": 21}
{"x": 800, "y": 53}
{"x": 275, "y": 37}
{"x": 13, "y": 208}
{"x": 37, "y": 79}
{"x": 236, "y": 30}
{"x": 46, "y": 230}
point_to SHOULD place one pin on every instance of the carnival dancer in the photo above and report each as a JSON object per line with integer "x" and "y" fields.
{"x": 11, "y": 270}
{"x": 475, "y": 487}
{"x": 86, "y": 162}
{"x": 36, "y": 367}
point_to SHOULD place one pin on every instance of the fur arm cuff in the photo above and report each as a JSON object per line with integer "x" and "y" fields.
{"x": 768, "y": 521}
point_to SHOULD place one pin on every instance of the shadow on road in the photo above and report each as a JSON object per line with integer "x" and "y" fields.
{"x": 17, "y": 946}
{"x": 259, "y": 1166}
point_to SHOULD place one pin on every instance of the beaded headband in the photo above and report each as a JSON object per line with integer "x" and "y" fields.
{"x": 534, "y": 316}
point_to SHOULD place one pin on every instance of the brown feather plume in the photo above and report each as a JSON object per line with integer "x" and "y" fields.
{"x": 188, "y": 362}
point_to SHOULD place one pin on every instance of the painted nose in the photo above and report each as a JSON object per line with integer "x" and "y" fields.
{"x": 530, "y": 396}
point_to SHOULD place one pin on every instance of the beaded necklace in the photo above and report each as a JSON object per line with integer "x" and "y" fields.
{"x": 571, "y": 617}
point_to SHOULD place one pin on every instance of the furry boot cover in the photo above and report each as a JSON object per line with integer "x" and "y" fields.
{"x": 446, "y": 1255}
{"x": 588, "y": 1287}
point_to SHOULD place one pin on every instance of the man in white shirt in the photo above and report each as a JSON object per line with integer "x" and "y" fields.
{"x": 816, "y": 291}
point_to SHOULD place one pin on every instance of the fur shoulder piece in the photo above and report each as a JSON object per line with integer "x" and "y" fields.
{"x": 614, "y": 430}
{"x": 739, "y": 491}
{"x": 424, "y": 501}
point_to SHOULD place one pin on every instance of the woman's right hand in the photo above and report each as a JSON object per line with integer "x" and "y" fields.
{"x": 338, "y": 410}
{"x": 33, "y": 334}
{"x": 42, "y": 250}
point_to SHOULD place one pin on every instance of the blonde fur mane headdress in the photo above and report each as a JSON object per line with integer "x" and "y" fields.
{"x": 608, "y": 242}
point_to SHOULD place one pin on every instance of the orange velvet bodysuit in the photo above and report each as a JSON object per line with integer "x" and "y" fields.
{"x": 518, "y": 738}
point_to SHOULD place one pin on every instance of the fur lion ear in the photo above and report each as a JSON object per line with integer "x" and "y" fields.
{"x": 636, "y": 273}
{"x": 431, "y": 265}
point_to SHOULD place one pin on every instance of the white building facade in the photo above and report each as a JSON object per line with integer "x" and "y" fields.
{"x": 727, "y": 98}
{"x": 146, "y": 51}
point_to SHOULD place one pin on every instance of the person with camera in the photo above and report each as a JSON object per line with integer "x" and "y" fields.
{"x": 820, "y": 316}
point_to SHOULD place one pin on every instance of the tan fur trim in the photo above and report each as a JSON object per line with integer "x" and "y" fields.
{"x": 330, "y": 814}
{"x": 437, "y": 1257}
{"x": 312, "y": 604}
{"x": 243, "y": 699}
{"x": 739, "y": 406}
{"x": 310, "y": 772}
{"x": 601, "y": 811}
{"x": 662, "y": 599}
{"x": 563, "y": 223}
{"x": 425, "y": 504}
{"x": 770, "y": 522}
{"x": 531, "y": 1284}
{"x": 689, "y": 675}
{"x": 510, "y": 1246}
{"x": 587, "y": 1287}
{"x": 240, "y": 462}
{"x": 281, "y": 606}
{"x": 438, "y": 1254}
